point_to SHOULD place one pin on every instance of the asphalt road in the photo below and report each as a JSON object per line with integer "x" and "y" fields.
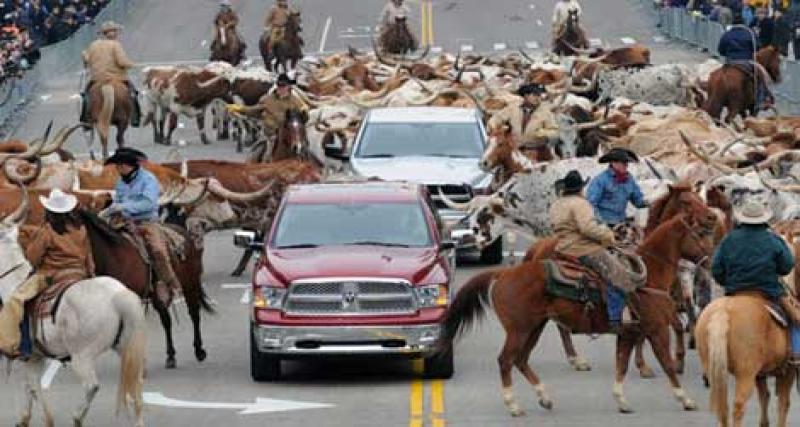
{"x": 361, "y": 394}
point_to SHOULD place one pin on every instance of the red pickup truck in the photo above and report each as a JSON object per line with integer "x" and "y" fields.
{"x": 350, "y": 269}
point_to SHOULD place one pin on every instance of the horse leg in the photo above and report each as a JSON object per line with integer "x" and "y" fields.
{"x": 166, "y": 323}
{"x": 763, "y": 400}
{"x": 659, "y": 341}
{"x": 121, "y": 135}
{"x": 248, "y": 253}
{"x": 644, "y": 370}
{"x": 172, "y": 123}
{"x": 515, "y": 341}
{"x": 744, "y": 389}
{"x": 625, "y": 344}
{"x": 201, "y": 126}
{"x": 193, "y": 305}
{"x": 680, "y": 345}
{"x": 522, "y": 364}
{"x": 783, "y": 388}
{"x": 83, "y": 366}
{"x": 33, "y": 391}
{"x": 577, "y": 362}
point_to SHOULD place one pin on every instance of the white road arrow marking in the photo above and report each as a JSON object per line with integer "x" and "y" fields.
{"x": 532, "y": 45}
{"x": 628, "y": 40}
{"x": 499, "y": 46}
{"x": 261, "y": 405}
{"x": 436, "y": 49}
{"x": 466, "y": 48}
{"x": 595, "y": 42}
{"x": 52, "y": 369}
{"x": 235, "y": 285}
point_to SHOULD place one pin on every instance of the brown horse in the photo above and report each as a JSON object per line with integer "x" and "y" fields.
{"x": 111, "y": 248}
{"x": 506, "y": 157}
{"x": 110, "y": 104}
{"x": 519, "y": 297}
{"x": 227, "y": 46}
{"x": 287, "y": 49}
{"x": 572, "y": 39}
{"x": 397, "y": 39}
{"x": 731, "y": 87}
{"x": 291, "y": 141}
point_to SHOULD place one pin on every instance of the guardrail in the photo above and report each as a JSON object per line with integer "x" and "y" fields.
{"x": 59, "y": 61}
{"x": 703, "y": 34}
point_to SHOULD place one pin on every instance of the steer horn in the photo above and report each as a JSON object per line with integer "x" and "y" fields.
{"x": 216, "y": 188}
{"x": 61, "y": 137}
{"x": 451, "y": 204}
{"x": 21, "y": 212}
{"x": 704, "y": 157}
{"x": 13, "y": 175}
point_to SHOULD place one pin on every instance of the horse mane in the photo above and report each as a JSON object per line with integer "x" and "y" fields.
{"x": 100, "y": 227}
{"x": 659, "y": 206}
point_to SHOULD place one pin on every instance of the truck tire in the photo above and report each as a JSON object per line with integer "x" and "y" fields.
{"x": 493, "y": 254}
{"x": 263, "y": 367}
{"x": 439, "y": 366}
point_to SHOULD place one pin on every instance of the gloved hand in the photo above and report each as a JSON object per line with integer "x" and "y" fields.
{"x": 234, "y": 108}
{"x": 109, "y": 211}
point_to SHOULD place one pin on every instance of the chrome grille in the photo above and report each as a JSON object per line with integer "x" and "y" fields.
{"x": 350, "y": 297}
{"x": 456, "y": 193}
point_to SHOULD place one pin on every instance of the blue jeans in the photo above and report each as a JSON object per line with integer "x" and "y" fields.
{"x": 25, "y": 345}
{"x": 794, "y": 334}
{"x": 616, "y": 303}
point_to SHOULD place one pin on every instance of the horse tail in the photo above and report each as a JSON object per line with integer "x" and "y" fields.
{"x": 107, "y": 111}
{"x": 132, "y": 348}
{"x": 717, "y": 373}
{"x": 468, "y": 306}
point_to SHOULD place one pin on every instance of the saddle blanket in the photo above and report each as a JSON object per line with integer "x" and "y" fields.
{"x": 46, "y": 303}
{"x": 569, "y": 279}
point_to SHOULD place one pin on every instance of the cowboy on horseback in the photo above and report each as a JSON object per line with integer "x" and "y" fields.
{"x": 60, "y": 252}
{"x": 561, "y": 14}
{"x": 581, "y": 236}
{"x": 274, "y": 106}
{"x": 106, "y": 60}
{"x": 610, "y": 191}
{"x": 752, "y": 258}
{"x": 393, "y": 10}
{"x": 526, "y": 119}
{"x": 276, "y": 21}
{"x": 226, "y": 18}
{"x": 738, "y": 46}
{"x": 136, "y": 204}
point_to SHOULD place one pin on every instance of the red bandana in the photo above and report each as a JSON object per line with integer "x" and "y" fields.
{"x": 620, "y": 178}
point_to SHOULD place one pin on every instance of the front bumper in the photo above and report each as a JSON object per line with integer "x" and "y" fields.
{"x": 405, "y": 340}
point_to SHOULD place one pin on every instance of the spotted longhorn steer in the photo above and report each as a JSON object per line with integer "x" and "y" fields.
{"x": 657, "y": 85}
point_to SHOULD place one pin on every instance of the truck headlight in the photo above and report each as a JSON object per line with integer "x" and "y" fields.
{"x": 432, "y": 295}
{"x": 269, "y": 297}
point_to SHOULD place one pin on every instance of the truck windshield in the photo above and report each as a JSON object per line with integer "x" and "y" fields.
{"x": 379, "y": 224}
{"x": 421, "y": 139}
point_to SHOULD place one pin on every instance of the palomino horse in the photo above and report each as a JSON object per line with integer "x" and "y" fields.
{"x": 227, "y": 46}
{"x": 571, "y": 39}
{"x": 397, "y": 39}
{"x": 291, "y": 141}
{"x": 731, "y": 87}
{"x": 94, "y": 316}
{"x": 289, "y": 48}
{"x": 519, "y": 297}
{"x": 110, "y": 104}
{"x": 736, "y": 335}
{"x": 110, "y": 247}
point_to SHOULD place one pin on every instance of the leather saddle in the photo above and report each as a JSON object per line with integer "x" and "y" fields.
{"x": 46, "y": 304}
{"x": 777, "y": 313}
{"x": 568, "y": 278}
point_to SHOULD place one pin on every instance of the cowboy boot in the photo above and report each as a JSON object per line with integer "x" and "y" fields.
{"x": 12, "y": 313}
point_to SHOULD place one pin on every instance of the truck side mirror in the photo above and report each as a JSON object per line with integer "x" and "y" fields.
{"x": 447, "y": 245}
{"x": 247, "y": 240}
{"x": 336, "y": 153}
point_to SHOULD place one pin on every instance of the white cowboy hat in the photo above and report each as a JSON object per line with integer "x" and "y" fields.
{"x": 109, "y": 26}
{"x": 225, "y": 3}
{"x": 752, "y": 213}
{"x": 59, "y": 202}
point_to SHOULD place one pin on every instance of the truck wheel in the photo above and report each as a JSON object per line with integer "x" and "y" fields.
{"x": 263, "y": 367}
{"x": 493, "y": 254}
{"x": 439, "y": 366}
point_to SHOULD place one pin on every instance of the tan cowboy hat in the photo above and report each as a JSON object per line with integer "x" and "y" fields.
{"x": 752, "y": 212}
{"x": 109, "y": 26}
{"x": 58, "y": 201}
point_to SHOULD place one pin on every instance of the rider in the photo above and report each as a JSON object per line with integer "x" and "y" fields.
{"x": 274, "y": 106}
{"x": 526, "y": 125}
{"x": 561, "y": 14}
{"x": 59, "y": 251}
{"x": 276, "y": 21}
{"x": 752, "y": 258}
{"x": 227, "y": 18}
{"x": 107, "y": 61}
{"x": 394, "y": 9}
{"x": 580, "y": 235}
{"x": 738, "y": 46}
{"x": 610, "y": 191}
{"x": 136, "y": 201}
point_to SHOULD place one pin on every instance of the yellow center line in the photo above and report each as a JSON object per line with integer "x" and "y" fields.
{"x": 423, "y": 23}
{"x": 430, "y": 23}
{"x": 417, "y": 392}
{"x": 437, "y": 403}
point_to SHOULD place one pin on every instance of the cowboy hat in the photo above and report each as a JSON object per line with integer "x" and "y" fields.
{"x": 126, "y": 156}
{"x": 225, "y": 3}
{"x": 530, "y": 88}
{"x": 619, "y": 155}
{"x": 573, "y": 182}
{"x": 284, "y": 80}
{"x": 752, "y": 212}
{"x": 109, "y": 26}
{"x": 58, "y": 201}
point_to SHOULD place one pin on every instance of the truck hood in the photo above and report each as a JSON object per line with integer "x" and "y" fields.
{"x": 411, "y": 264}
{"x": 423, "y": 170}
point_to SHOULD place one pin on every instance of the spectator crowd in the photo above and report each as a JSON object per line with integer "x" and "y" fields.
{"x": 27, "y": 25}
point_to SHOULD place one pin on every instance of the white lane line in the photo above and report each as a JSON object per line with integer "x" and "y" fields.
{"x": 436, "y": 49}
{"x": 235, "y": 285}
{"x": 245, "y": 297}
{"x": 466, "y": 48}
{"x": 517, "y": 254}
{"x": 50, "y": 373}
{"x": 532, "y": 6}
{"x": 354, "y": 36}
{"x": 532, "y": 45}
{"x": 325, "y": 34}
{"x": 595, "y": 42}
{"x": 203, "y": 43}
{"x": 539, "y": 22}
{"x": 499, "y": 46}
{"x": 628, "y": 40}
{"x": 659, "y": 39}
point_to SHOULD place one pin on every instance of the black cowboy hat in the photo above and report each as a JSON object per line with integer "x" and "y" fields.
{"x": 619, "y": 155}
{"x": 573, "y": 182}
{"x": 284, "y": 80}
{"x": 126, "y": 156}
{"x": 531, "y": 88}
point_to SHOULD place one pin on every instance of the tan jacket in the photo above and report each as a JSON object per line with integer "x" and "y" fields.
{"x": 277, "y": 17}
{"x": 107, "y": 61}
{"x": 539, "y": 126}
{"x": 227, "y": 18}
{"x": 62, "y": 257}
{"x": 576, "y": 228}
{"x": 274, "y": 108}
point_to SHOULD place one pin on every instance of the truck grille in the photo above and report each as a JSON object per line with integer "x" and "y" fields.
{"x": 366, "y": 297}
{"x": 456, "y": 193}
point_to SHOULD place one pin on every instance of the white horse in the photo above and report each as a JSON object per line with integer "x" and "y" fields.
{"x": 94, "y": 316}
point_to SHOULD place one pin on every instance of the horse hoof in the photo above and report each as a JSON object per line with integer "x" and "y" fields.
{"x": 517, "y": 413}
{"x": 646, "y": 372}
{"x": 76, "y": 422}
{"x": 625, "y": 409}
{"x": 171, "y": 364}
{"x": 691, "y": 344}
{"x": 546, "y": 404}
{"x": 582, "y": 366}
{"x": 22, "y": 424}
{"x": 200, "y": 355}
{"x": 689, "y": 405}
{"x": 705, "y": 382}
{"x": 679, "y": 369}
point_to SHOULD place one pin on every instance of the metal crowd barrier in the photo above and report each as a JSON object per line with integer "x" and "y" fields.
{"x": 61, "y": 60}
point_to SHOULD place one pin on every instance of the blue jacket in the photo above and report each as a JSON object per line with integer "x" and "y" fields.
{"x": 752, "y": 258}
{"x": 737, "y": 44}
{"x": 139, "y": 198}
{"x": 610, "y": 199}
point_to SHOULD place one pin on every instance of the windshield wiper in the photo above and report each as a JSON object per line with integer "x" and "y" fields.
{"x": 376, "y": 243}
{"x": 299, "y": 246}
{"x": 378, "y": 155}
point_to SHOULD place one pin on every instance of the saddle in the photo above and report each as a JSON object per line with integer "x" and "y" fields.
{"x": 46, "y": 304}
{"x": 568, "y": 278}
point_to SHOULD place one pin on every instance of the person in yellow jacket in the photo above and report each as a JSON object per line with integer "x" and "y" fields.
{"x": 276, "y": 21}
{"x": 274, "y": 106}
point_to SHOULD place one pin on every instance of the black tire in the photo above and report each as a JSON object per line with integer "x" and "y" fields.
{"x": 493, "y": 254}
{"x": 439, "y": 366}
{"x": 263, "y": 367}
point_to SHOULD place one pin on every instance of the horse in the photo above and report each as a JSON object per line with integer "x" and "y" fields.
{"x": 519, "y": 298}
{"x": 731, "y": 87}
{"x": 291, "y": 141}
{"x": 109, "y": 247}
{"x": 109, "y": 104}
{"x": 571, "y": 40}
{"x": 227, "y": 46}
{"x": 737, "y": 335}
{"x": 397, "y": 39}
{"x": 94, "y": 315}
{"x": 288, "y": 48}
